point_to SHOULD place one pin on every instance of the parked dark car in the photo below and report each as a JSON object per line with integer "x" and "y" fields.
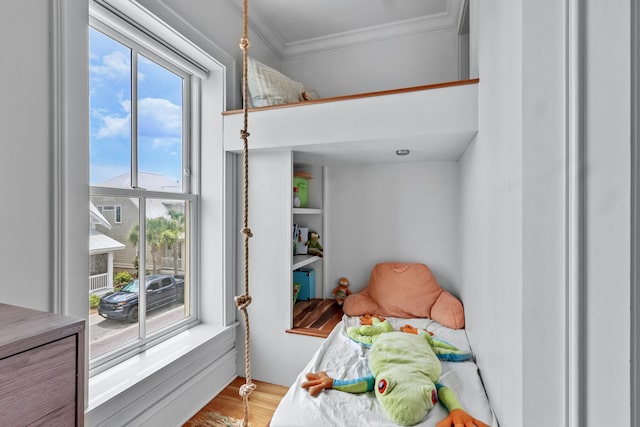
{"x": 162, "y": 289}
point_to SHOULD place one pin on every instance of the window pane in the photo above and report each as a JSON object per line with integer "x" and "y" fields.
{"x": 113, "y": 269}
{"x": 110, "y": 118}
{"x": 139, "y": 138}
{"x": 167, "y": 250}
{"x": 159, "y": 125}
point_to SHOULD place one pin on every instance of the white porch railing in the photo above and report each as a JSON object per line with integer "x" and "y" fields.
{"x": 98, "y": 282}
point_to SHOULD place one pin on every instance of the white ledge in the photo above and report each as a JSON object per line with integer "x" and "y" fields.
{"x": 436, "y": 123}
{"x": 125, "y": 376}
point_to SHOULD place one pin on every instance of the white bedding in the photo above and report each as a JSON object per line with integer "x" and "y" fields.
{"x": 342, "y": 358}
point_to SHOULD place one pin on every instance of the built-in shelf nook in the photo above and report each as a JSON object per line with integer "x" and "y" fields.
{"x": 434, "y": 123}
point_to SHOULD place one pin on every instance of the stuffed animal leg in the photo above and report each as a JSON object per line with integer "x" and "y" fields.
{"x": 457, "y": 416}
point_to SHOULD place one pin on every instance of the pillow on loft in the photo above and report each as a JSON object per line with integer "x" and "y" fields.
{"x": 406, "y": 291}
{"x": 270, "y": 87}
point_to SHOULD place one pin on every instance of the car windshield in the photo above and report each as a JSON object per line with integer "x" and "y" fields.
{"x": 130, "y": 287}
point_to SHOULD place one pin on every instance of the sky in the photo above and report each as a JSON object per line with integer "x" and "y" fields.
{"x": 159, "y": 113}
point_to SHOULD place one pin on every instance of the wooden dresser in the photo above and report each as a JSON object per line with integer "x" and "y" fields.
{"x": 41, "y": 368}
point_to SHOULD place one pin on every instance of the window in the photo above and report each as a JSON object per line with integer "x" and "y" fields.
{"x": 116, "y": 212}
{"x": 140, "y": 156}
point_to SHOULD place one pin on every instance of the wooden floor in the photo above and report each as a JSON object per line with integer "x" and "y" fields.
{"x": 316, "y": 317}
{"x": 263, "y": 401}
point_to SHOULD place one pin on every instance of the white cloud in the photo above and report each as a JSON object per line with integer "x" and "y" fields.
{"x": 159, "y": 117}
{"x": 115, "y": 125}
{"x": 114, "y": 65}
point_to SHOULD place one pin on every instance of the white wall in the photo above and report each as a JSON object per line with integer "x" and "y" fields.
{"x": 514, "y": 201}
{"x": 543, "y": 212}
{"x": 392, "y": 64}
{"x": 607, "y": 212}
{"x": 403, "y": 211}
{"x": 277, "y": 356}
{"x": 492, "y": 212}
{"x": 44, "y": 135}
{"x": 25, "y": 166}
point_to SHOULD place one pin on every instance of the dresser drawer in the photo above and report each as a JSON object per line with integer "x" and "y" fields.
{"x": 42, "y": 383}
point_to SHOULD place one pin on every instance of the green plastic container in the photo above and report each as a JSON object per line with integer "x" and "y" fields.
{"x": 303, "y": 193}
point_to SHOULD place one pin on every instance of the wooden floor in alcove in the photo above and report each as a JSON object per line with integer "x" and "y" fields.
{"x": 315, "y": 317}
{"x": 263, "y": 402}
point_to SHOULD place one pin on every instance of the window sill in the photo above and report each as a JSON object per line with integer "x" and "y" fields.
{"x": 190, "y": 351}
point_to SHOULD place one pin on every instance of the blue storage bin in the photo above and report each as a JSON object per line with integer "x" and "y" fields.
{"x": 307, "y": 279}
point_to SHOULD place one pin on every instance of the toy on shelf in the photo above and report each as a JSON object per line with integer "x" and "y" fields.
{"x": 342, "y": 290}
{"x": 301, "y": 182}
{"x": 313, "y": 244}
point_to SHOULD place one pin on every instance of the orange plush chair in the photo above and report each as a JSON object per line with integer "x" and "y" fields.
{"x": 406, "y": 291}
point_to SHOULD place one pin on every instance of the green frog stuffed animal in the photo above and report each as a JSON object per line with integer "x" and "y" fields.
{"x": 404, "y": 374}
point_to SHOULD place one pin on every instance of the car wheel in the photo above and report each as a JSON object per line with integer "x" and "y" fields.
{"x": 132, "y": 315}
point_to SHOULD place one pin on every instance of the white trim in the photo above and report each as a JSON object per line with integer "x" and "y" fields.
{"x": 230, "y": 250}
{"x": 575, "y": 221}
{"x": 394, "y": 30}
{"x": 137, "y": 23}
{"x": 635, "y": 214}
{"x": 58, "y": 137}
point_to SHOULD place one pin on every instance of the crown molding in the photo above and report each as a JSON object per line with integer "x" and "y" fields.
{"x": 451, "y": 19}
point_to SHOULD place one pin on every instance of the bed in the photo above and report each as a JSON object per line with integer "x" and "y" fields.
{"x": 402, "y": 290}
{"x": 343, "y": 358}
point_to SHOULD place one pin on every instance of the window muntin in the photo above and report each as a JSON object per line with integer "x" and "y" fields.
{"x": 139, "y": 150}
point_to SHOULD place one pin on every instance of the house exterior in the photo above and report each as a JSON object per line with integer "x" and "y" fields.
{"x": 101, "y": 253}
{"x": 123, "y": 215}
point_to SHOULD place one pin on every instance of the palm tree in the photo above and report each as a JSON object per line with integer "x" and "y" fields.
{"x": 173, "y": 234}
{"x": 156, "y": 236}
{"x": 134, "y": 237}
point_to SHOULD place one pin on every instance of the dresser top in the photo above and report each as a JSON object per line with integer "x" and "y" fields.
{"x": 23, "y": 328}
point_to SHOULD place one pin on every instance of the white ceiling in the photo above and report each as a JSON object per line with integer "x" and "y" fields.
{"x": 298, "y": 27}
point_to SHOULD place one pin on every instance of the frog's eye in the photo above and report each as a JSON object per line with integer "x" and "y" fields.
{"x": 385, "y": 385}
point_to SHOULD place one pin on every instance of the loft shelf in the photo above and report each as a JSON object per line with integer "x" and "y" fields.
{"x": 303, "y": 260}
{"x": 436, "y": 123}
{"x": 306, "y": 211}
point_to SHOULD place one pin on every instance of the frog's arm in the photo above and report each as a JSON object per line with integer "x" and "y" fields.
{"x": 457, "y": 416}
{"x": 366, "y": 334}
{"x": 317, "y": 382}
{"x": 359, "y": 385}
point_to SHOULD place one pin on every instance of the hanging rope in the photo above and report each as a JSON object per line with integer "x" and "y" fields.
{"x": 243, "y": 301}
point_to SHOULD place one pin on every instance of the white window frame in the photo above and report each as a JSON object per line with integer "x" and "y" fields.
{"x": 116, "y": 209}
{"x": 150, "y": 47}
{"x": 203, "y": 358}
